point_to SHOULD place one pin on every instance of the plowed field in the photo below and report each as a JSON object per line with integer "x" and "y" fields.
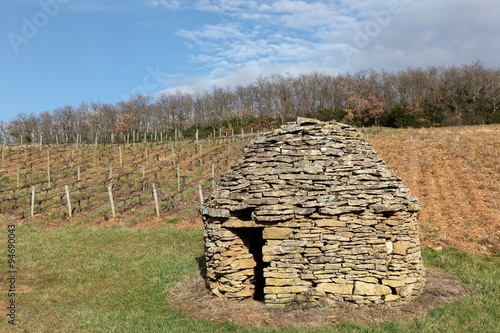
{"x": 455, "y": 173}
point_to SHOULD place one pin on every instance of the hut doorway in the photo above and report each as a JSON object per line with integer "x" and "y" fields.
{"x": 253, "y": 240}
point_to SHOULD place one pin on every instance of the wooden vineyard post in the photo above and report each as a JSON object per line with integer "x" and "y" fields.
{"x": 155, "y": 196}
{"x": 146, "y": 154}
{"x": 48, "y": 167}
{"x": 110, "y": 171}
{"x": 78, "y": 173}
{"x": 17, "y": 178}
{"x": 120, "y": 152}
{"x": 33, "y": 190}
{"x": 68, "y": 200}
{"x": 200, "y": 192}
{"x": 111, "y": 201}
{"x": 57, "y": 139}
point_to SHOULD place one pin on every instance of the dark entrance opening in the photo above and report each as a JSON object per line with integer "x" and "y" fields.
{"x": 252, "y": 238}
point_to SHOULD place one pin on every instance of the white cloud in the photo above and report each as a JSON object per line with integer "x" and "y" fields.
{"x": 168, "y": 4}
{"x": 255, "y": 38}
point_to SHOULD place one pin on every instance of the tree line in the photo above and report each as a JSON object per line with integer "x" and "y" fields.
{"x": 415, "y": 97}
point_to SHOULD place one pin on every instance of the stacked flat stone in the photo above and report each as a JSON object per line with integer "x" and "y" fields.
{"x": 338, "y": 226}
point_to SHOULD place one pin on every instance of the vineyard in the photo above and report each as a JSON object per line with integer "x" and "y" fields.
{"x": 130, "y": 184}
{"x": 453, "y": 171}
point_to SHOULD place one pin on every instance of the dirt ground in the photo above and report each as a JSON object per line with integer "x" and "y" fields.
{"x": 194, "y": 299}
{"x": 455, "y": 173}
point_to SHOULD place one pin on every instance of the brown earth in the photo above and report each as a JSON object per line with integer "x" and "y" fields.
{"x": 455, "y": 173}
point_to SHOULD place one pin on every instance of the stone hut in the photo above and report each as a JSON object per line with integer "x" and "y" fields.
{"x": 311, "y": 213}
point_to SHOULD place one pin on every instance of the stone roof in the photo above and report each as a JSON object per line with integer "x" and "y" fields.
{"x": 304, "y": 168}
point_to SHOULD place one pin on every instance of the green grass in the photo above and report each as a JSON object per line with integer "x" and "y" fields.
{"x": 79, "y": 279}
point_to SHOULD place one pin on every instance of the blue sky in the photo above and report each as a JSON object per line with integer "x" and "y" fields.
{"x": 64, "y": 52}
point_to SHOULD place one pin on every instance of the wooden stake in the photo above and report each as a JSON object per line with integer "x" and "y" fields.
{"x": 48, "y": 167}
{"x": 33, "y": 201}
{"x": 120, "y": 152}
{"x": 155, "y": 196}
{"x": 111, "y": 201}
{"x": 70, "y": 213}
{"x": 17, "y": 183}
{"x": 200, "y": 191}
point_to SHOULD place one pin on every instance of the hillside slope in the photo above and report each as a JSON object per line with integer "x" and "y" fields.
{"x": 455, "y": 173}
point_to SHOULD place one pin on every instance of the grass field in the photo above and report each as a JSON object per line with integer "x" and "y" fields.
{"x": 93, "y": 273}
{"x": 79, "y": 279}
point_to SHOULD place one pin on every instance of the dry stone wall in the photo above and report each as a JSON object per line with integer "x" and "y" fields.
{"x": 311, "y": 213}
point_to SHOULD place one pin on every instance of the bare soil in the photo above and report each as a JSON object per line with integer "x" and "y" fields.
{"x": 192, "y": 297}
{"x": 455, "y": 173}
